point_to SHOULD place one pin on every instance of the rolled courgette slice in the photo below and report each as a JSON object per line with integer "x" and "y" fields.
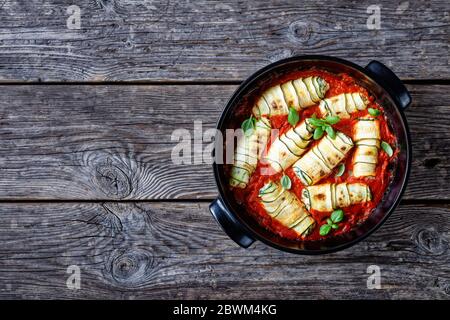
{"x": 297, "y": 139}
{"x": 275, "y": 99}
{"x": 321, "y": 86}
{"x": 304, "y": 97}
{"x": 290, "y": 95}
{"x": 261, "y": 108}
{"x": 284, "y": 206}
{"x": 329, "y": 196}
{"x": 309, "y": 82}
{"x": 298, "y": 94}
{"x": 289, "y": 147}
{"x": 305, "y": 226}
{"x": 350, "y": 104}
{"x": 343, "y": 105}
{"x": 248, "y": 151}
{"x": 360, "y": 101}
{"x": 320, "y": 160}
{"x": 358, "y": 192}
{"x": 367, "y": 140}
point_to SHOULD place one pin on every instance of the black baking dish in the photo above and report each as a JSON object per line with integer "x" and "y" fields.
{"x": 389, "y": 92}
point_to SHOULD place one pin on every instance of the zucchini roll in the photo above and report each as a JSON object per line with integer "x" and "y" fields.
{"x": 331, "y": 196}
{"x": 299, "y": 94}
{"x": 367, "y": 140}
{"x": 248, "y": 151}
{"x": 284, "y": 206}
{"x": 320, "y": 160}
{"x": 287, "y": 148}
{"x": 343, "y": 105}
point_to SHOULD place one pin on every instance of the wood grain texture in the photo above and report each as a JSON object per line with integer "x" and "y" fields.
{"x": 176, "y": 250}
{"x": 162, "y": 40}
{"x": 114, "y": 142}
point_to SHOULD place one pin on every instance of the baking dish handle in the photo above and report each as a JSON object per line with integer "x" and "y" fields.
{"x": 233, "y": 228}
{"x": 390, "y": 82}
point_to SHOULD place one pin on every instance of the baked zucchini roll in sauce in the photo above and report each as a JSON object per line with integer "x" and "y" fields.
{"x": 298, "y": 94}
{"x": 284, "y": 206}
{"x": 367, "y": 137}
{"x": 330, "y": 196}
{"x": 321, "y": 159}
{"x": 288, "y": 148}
{"x": 248, "y": 152}
{"x": 343, "y": 105}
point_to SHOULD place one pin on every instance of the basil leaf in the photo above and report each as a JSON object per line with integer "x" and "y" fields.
{"x": 324, "y": 229}
{"x": 315, "y": 122}
{"x": 332, "y": 119}
{"x": 334, "y": 226}
{"x": 330, "y": 131}
{"x": 337, "y": 216}
{"x": 374, "y": 112}
{"x": 387, "y": 148}
{"x": 249, "y": 125}
{"x": 286, "y": 182}
{"x": 318, "y": 133}
{"x": 329, "y": 221}
{"x": 293, "y": 117}
{"x": 341, "y": 170}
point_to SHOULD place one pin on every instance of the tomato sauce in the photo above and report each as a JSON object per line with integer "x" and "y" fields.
{"x": 353, "y": 215}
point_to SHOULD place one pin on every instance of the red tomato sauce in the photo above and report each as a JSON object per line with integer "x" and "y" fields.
{"x": 353, "y": 215}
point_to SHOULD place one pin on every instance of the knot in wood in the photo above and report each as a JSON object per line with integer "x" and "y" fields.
{"x": 443, "y": 284}
{"x": 130, "y": 268}
{"x": 446, "y": 288}
{"x": 431, "y": 242}
{"x": 112, "y": 181}
{"x": 300, "y": 31}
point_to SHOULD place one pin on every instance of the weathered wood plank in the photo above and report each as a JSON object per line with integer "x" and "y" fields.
{"x": 114, "y": 142}
{"x": 176, "y": 250}
{"x": 214, "y": 40}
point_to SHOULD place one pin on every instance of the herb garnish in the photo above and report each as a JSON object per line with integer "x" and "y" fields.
{"x": 286, "y": 182}
{"x": 332, "y": 222}
{"x": 293, "y": 116}
{"x": 324, "y": 125}
{"x": 387, "y": 148}
{"x": 249, "y": 125}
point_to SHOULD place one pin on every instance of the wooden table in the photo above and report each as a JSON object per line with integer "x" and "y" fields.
{"x": 86, "y": 116}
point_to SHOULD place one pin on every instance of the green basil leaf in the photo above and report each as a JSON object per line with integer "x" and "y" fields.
{"x": 334, "y": 226}
{"x": 341, "y": 170}
{"x": 332, "y": 119}
{"x": 249, "y": 125}
{"x": 324, "y": 229}
{"x": 315, "y": 122}
{"x": 387, "y": 148}
{"x": 293, "y": 116}
{"x": 374, "y": 112}
{"x": 337, "y": 216}
{"x": 286, "y": 182}
{"x": 249, "y": 132}
{"x": 330, "y": 131}
{"x": 329, "y": 221}
{"x": 318, "y": 133}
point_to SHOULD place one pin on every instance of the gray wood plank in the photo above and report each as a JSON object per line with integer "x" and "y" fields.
{"x": 165, "y": 40}
{"x": 176, "y": 250}
{"x": 114, "y": 142}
